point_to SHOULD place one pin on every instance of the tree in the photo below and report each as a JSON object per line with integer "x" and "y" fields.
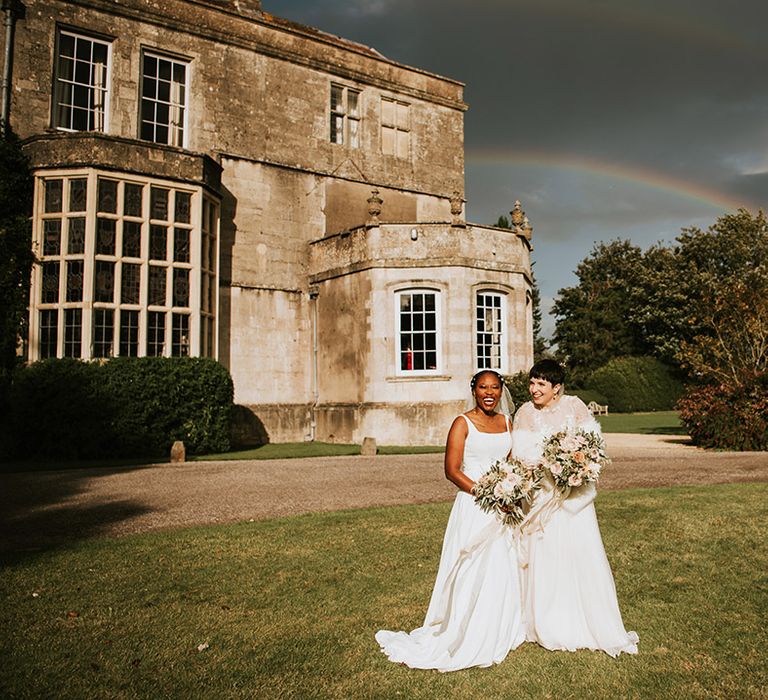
{"x": 732, "y": 345}
{"x": 683, "y": 292}
{"x": 16, "y": 257}
{"x": 502, "y": 222}
{"x": 540, "y": 344}
{"x": 592, "y": 319}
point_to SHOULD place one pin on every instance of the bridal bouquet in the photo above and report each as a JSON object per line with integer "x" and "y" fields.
{"x": 574, "y": 457}
{"x": 505, "y": 488}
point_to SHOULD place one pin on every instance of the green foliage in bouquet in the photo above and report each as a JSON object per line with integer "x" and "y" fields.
{"x": 504, "y": 490}
{"x": 636, "y": 384}
{"x": 728, "y": 416}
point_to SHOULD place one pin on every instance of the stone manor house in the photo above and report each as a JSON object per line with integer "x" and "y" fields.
{"x": 213, "y": 180}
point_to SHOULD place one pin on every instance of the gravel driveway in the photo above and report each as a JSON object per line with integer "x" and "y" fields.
{"x": 44, "y": 509}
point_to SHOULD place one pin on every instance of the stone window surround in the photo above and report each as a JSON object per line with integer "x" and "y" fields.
{"x": 100, "y": 121}
{"x": 178, "y": 128}
{"x": 502, "y": 295}
{"x": 344, "y": 115}
{"x": 418, "y": 286}
{"x": 201, "y": 321}
{"x": 395, "y": 127}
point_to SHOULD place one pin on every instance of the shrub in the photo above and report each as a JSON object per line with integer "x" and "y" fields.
{"x": 518, "y": 388}
{"x": 732, "y": 417}
{"x": 587, "y": 395}
{"x": 58, "y": 408}
{"x": 123, "y": 407}
{"x": 636, "y": 384}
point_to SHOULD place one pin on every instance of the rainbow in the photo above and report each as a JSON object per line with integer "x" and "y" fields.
{"x": 646, "y": 177}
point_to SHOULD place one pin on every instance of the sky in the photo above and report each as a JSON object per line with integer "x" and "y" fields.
{"x": 607, "y": 119}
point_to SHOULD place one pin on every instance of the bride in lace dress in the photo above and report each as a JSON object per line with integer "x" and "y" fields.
{"x": 569, "y": 597}
{"x": 473, "y": 617}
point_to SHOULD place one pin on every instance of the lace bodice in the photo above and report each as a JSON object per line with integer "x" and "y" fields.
{"x": 532, "y": 425}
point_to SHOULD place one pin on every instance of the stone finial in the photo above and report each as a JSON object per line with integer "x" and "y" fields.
{"x": 517, "y": 215}
{"x": 374, "y": 208}
{"x": 527, "y": 228}
{"x": 457, "y": 207}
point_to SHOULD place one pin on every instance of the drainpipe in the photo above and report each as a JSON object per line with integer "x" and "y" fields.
{"x": 313, "y": 294}
{"x": 6, "y": 86}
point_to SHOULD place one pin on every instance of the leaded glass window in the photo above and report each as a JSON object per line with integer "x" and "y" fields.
{"x": 73, "y": 332}
{"x": 112, "y": 280}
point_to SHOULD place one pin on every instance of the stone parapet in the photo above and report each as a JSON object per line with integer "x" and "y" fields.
{"x": 418, "y": 245}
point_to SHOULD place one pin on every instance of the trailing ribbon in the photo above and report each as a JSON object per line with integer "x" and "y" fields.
{"x": 537, "y": 519}
{"x": 477, "y": 547}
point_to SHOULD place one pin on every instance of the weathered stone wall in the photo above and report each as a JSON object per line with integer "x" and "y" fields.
{"x": 293, "y": 207}
{"x": 260, "y": 88}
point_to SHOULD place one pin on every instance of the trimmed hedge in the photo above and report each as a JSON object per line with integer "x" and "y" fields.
{"x": 124, "y": 407}
{"x": 727, "y": 417}
{"x": 632, "y": 384}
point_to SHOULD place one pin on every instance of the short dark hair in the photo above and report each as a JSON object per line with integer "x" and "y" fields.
{"x": 549, "y": 370}
{"x": 477, "y": 375}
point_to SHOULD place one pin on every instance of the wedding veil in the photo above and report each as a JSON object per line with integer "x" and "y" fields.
{"x": 506, "y": 404}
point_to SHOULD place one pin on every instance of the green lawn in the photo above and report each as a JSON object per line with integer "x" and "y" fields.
{"x": 656, "y": 423}
{"x": 288, "y": 609}
{"x": 660, "y": 422}
{"x": 289, "y": 450}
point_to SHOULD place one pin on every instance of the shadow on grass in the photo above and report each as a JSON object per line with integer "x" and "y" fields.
{"x": 40, "y": 511}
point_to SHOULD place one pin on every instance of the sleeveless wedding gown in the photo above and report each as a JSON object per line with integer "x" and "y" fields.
{"x": 474, "y": 616}
{"x": 569, "y": 596}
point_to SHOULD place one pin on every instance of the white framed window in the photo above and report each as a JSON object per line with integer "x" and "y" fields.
{"x": 345, "y": 116}
{"x": 81, "y": 92}
{"x": 128, "y": 266}
{"x": 164, "y": 91}
{"x": 395, "y": 128}
{"x": 490, "y": 330}
{"x": 418, "y": 331}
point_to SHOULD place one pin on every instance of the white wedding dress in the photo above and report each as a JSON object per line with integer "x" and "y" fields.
{"x": 569, "y": 597}
{"x": 474, "y": 616}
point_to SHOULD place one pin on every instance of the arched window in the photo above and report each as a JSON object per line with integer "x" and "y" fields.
{"x": 490, "y": 330}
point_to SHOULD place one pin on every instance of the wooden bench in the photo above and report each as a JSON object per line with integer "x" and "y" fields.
{"x": 597, "y": 409}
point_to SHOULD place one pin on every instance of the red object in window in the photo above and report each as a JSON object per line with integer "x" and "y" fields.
{"x": 408, "y": 359}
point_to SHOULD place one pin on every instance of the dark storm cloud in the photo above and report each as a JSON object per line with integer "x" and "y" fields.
{"x": 607, "y": 118}
{"x": 676, "y": 86}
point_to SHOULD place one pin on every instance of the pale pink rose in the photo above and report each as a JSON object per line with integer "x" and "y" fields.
{"x": 512, "y": 480}
{"x": 569, "y": 443}
{"x": 556, "y": 468}
{"x": 574, "y": 480}
{"x": 595, "y": 468}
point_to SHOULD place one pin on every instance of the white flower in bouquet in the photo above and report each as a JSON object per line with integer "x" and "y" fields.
{"x": 574, "y": 457}
{"x": 505, "y": 489}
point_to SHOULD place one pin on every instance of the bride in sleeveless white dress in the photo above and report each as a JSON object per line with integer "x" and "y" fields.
{"x": 569, "y": 596}
{"x": 474, "y": 616}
